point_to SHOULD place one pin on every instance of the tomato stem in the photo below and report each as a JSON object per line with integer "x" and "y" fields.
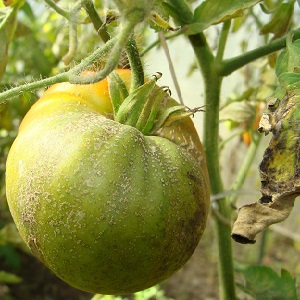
{"x": 212, "y": 80}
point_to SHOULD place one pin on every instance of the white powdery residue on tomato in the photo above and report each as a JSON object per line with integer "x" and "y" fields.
{"x": 191, "y": 145}
{"x": 98, "y": 143}
{"x": 89, "y": 182}
{"x": 152, "y": 149}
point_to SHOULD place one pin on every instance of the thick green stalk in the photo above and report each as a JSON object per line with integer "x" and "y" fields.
{"x": 213, "y": 81}
{"x": 211, "y": 138}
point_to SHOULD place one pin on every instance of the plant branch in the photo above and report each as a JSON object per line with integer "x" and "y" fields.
{"x": 230, "y": 65}
{"x": 127, "y": 27}
{"x": 230, "y": 137}
{"x": 223, "y": 40}
{"x": 106, "y": 48}
{"x": 58, "y": 9}
{"x": 4, "y": 96}
{"x": 97, "y": 22}
{"x": 73, "y": 42}
{"x": 63, "y": 77}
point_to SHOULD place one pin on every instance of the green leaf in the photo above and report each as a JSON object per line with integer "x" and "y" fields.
{"x": 8, "y": 22}
{"x": 290, "y": 81}
{"x": 10, "y": 256}
{"x": 9, "y": 234}
{"x": 6, "y": 277}
{"x": 238, "y": 23}
{"x": 26, "y": 8}
{"x": 175, "y": 13}
{"x": 212, "y": 12}
{"x": 289, "y": 59}
{"x": 265, "y": 284}
{"x": 264, "y": 8}
{"x": 239, "y": 112}
{"x": 280, "y": 21}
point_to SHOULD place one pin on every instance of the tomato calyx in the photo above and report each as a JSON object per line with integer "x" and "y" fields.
{"x": 144, "y": 108}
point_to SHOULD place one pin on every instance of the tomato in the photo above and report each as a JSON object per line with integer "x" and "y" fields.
{"x": 106, "y": 208}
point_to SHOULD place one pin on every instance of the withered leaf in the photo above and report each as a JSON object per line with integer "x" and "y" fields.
{"x": 280, "y": 166}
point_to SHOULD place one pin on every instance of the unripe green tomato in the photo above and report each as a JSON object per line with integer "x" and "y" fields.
{"x": 106, "y": 208}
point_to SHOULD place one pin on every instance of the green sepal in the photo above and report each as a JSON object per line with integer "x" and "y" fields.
{"x": 170, "y": 115}
{"x": 281, "y": 20}
{"x": 148, "y": 116}
{"x": 117, "y": 91}
{"x": 145, "y": 108}
{"x": 131, "y": 109}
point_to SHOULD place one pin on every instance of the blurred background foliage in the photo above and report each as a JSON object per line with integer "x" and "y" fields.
{"x": 32, "y": 46}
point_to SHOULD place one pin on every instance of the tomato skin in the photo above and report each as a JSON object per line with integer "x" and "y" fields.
{"x": 106, "y": 208}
